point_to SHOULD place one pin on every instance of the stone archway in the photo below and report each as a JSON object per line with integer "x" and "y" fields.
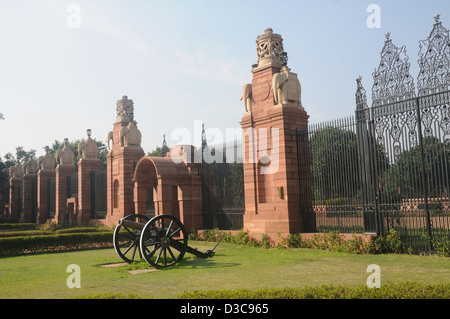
{"x": 145, "y": 178}
{"x": 176, "y": 189}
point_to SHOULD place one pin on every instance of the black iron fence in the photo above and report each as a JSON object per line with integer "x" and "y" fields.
{"x": 72, "y": 186}
{"x": 335, "y": 180}
{"x": 98, "y": 194}
{"x": 222, "y": 174}
{"x": 389, "y": 167}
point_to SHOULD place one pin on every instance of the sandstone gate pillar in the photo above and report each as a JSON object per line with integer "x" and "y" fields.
{"x": 273, "y": 198}
{"x": 29, "y": 196}
{"x": 15, "y": 191}
{"x": 86, "y": 165}
{"x": 121, "y": 161}
{"x": 64, "y": 169}
{"x": 46, "y": 172}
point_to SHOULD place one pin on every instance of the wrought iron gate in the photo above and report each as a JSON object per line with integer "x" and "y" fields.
{"x": 98, "y": 194}
{"x": 399, "y": 177}
{"x": 223, "y": 187}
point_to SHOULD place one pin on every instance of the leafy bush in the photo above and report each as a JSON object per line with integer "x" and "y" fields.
{"x": 442, "y": 246}
{"x": 48, "y": 226}
{"x": 408, "y": 290}
{"x": 332, "y": 241}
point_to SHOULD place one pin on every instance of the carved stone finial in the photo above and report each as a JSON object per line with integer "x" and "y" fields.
{"x": 388, "y": 35}
{"x": 125, "y": 110}
{"x": 269, "y": 49}
{"x": 437, "y": 17}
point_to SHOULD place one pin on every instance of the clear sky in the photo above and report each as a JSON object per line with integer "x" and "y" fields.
{"x": 182, "y": 61}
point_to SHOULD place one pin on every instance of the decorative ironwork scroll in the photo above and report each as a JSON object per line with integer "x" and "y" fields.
{"x": 392, "y": 80}
{"x": 434, "y": 61}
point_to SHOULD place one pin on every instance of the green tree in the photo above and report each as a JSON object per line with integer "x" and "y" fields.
{"x": 157, "y": 152}
{"x": 334, "y": 164}
{"x": 10, "y": 160}
{"x": 21, "y": 156}
{"x": 73, "y": 146}
{"x": 160, "y": 151}
{"x": 403, "y": 179}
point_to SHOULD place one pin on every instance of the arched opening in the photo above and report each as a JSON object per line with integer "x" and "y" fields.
{"x": 145, "y": 183}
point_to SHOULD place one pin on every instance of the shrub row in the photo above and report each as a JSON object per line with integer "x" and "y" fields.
{"x": 332, "y": 241}
{"x": 47, "y": 232}
{"x": 17, "y": 226}
{"x": 56, "y": 242}
{"x": 406, "y": 290}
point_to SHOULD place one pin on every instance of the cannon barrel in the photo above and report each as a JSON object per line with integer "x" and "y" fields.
{"x": 131, "y": 224}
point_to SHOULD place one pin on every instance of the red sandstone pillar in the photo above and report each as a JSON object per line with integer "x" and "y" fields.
{"x": 140, "y": 198}
{"x": 190, "y": 205}
{"x": 15, "y": 197}
{"x": 43, "y": 177}
{"x": 29, "y": 198}
{"x": 121, "y": 162}
{"x": 272, "y": 191}
{"x": 3, "y": 202}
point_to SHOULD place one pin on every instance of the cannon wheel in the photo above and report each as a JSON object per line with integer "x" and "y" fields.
{"x": 126, "y": 243}
{"x": 163, "y": 241}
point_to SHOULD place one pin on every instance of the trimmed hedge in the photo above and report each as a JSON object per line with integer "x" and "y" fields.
{"x": 49, "y": 232}
{"x": 408, "y": 290}
{"x": 17, "y": 226}
{"x": 51, "y": 243}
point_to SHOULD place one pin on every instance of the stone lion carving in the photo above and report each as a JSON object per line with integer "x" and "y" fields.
{"x": 130, "y": 136}
{"x": 286, "y": 88}
{"x": 65, "y": 156}
{"x": 247, "y": 97}
{"x": 46, "y": 163}
{"x": 88, "y": 149}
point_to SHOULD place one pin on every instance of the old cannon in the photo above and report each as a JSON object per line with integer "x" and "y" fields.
{"x": 162, "y": 240}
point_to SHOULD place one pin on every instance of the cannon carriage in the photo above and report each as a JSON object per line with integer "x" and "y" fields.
{"x": 161, "y": 241}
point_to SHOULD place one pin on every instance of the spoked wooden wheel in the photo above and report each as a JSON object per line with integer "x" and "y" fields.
{"x": 126, "y": 240}
{"x": 163, "y": 241}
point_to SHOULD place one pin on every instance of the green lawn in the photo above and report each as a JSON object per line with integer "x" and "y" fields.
{"x": 233, "y": 267}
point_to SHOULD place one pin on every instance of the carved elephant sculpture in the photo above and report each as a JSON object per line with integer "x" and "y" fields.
{"x": 247, "y": 97}
{"x": 286, "y": 88}
{"x": 110, "y": 138}
{"x": 130, "y": 136}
